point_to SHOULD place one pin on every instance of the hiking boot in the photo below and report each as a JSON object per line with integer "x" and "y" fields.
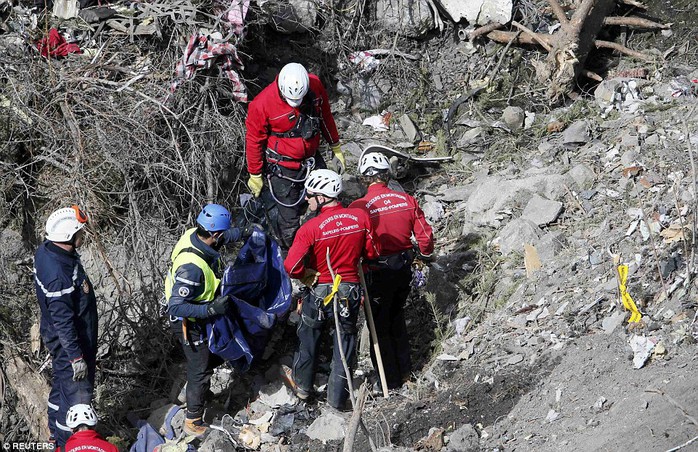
{"x": 195, "y": 427}
{"x": 374, "y": 384}
{"x": 287, "y": 376}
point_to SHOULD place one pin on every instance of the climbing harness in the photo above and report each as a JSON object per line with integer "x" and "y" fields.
{"x": 307, "y": 166}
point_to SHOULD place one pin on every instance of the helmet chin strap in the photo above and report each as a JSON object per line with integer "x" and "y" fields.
{"x": 320, "y": 205}
{"x": 73, "y": 239}
{"x": 218, "y": 244}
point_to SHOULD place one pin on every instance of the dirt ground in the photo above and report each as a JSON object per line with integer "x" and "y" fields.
{"x": 600, "y": 402}
{"x": 584, "y": 395}
{"x": 637, "y": 412}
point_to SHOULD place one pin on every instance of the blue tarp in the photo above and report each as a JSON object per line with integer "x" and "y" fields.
{"x": 147, "y": 440}
{"x": 261, "y": 292}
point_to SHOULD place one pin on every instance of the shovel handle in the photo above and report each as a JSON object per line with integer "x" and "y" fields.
{"x": 372, "y": 330}
{"x": 185, "y": 331}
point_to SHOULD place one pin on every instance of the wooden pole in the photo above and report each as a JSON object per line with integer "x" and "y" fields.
{"x": 372, "y": 330}
{"x": 347, "y": 374}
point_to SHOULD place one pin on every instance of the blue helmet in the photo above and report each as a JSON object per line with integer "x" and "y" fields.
{"x": 214, "y": 218}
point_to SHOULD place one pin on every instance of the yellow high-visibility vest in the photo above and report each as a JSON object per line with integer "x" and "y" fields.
{"x": 180, "y": 256}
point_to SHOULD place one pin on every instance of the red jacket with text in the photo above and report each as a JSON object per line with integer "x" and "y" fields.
{"x": 88, "y": 441}
{"x": 395, "y": 216}
{"x": 345, "y": 232}
{"x": 269, "y": 114}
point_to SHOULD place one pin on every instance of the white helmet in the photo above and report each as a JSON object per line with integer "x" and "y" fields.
{"x": 293, "y": 83}
{"x": 373, "y": 163}
{"x": 81, "y": 414}
{"x": 324, "y": 182}
{"x": 62, "y": 224}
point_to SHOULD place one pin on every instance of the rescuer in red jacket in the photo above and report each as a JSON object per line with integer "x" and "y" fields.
{"x": 81, "y": 419}
{"x": 284, "y": 124}
{"x": 346, "y": 233}
{"x": 395, "y": 218}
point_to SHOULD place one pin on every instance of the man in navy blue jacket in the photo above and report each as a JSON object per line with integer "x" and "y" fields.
{"x": 193, "y": 295}
{"x": 68, "y": 316}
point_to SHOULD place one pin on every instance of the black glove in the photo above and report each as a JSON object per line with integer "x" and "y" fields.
{"x": 218, "y": 306}
{"x": 250, "y": 228}
{"x": 425, "y": 258}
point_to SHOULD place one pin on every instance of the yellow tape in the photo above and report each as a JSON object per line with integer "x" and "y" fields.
{"x": 628, "y": 302}
{"x": 335, "y": 288}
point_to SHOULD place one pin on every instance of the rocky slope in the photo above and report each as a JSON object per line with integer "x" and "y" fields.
{"x": 520, "y": 338}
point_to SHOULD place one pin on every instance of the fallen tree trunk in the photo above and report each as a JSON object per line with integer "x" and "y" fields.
{"x": 503, "y": 37}
{"x": 565, "y": 61}
{"x": 535, "y": 39}
{"x": 32, "y": 391}
{"x": 569, "y": 48}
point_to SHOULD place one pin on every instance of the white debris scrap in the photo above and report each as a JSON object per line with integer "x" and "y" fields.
{"x": 380, "y": 123}
{"x": 365, "y": 61}
{"x": 642, "y": 347}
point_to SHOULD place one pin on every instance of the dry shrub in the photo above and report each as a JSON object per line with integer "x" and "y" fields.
{"x": 103, "y": 131}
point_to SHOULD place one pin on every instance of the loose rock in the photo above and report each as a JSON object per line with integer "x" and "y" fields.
{"x": 542, "y": 211}
{"x": 411, "y": 132}
{"x": 583, "y": 176}
{"x": 463, "y": 439}
{"x": 293, "y": 16}
{"x": 576, "y": 133}
{"x": 409, "y": 18}
{"x": 327, "y": 427}
{"x": 609, "y": 324}
{"x": 433, "y": 210}
{"x": 480, "y": 12}
{"x": 516, "y": 233}
{"x": 513, "y": 117}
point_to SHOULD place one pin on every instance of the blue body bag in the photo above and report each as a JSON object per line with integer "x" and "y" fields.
{"x": 260, "y": 290}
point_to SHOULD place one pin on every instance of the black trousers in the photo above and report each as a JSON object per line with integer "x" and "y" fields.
{"x": 388, "y": 290}
{"x": 314, "y": 317}
{"x": 289, "y": 201}
{"x": 200, "y": 365}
